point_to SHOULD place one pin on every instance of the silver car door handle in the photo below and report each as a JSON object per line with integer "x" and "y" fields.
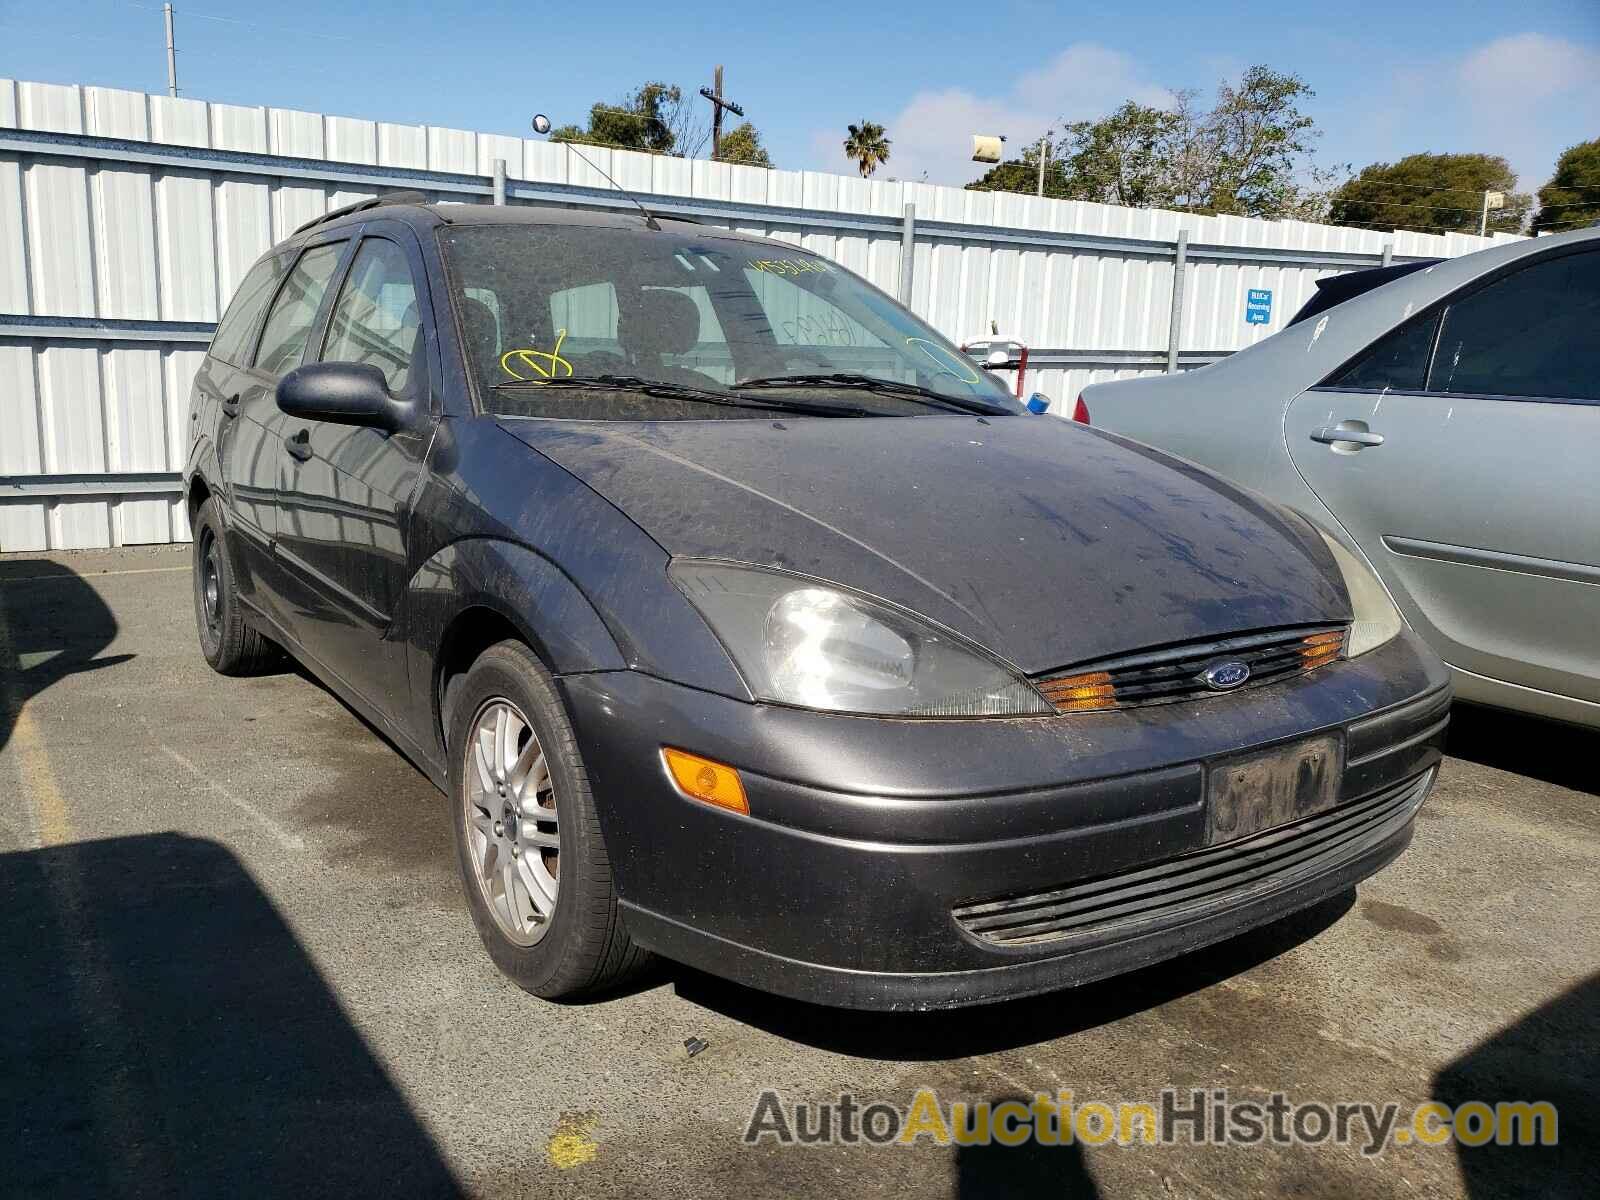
{"x": 1347, "y": 431}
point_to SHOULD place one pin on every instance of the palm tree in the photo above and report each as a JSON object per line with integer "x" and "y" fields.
{"x": 867, "y": 145}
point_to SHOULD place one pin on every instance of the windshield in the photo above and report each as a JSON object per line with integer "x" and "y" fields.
{"x": 600, "y": 323}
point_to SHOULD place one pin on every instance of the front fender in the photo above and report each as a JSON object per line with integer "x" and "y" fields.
{"x": 523, "y": 588}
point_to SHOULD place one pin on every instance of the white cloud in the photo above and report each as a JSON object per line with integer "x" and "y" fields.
{"x": 1528, "y": 97}
{"x": 933, "y": 132}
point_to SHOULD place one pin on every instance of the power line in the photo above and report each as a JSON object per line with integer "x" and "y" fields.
{"x": 285, "y": 29}
{"x": 1385, "y": 183}
{"x": 1471, "y": 206}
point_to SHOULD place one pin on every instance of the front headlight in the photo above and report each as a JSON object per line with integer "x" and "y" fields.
{"x": 1377, "y": 620}
{"x": 799, "y": 642}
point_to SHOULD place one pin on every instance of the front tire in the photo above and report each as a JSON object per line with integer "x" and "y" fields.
{"x": 527, "y": 834}
{"x": 229, "y": 645}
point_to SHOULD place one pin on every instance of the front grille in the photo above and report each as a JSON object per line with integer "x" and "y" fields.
{"x": 1178, "y": 672}
{"x": 1185, "y": 888}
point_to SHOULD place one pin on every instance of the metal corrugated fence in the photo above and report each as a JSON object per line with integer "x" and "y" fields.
{"x": 126, "y": 221}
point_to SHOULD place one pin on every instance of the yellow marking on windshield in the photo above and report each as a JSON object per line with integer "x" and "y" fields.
{"x": 537, "y": 366}
{"x": 948, "y": 363}
{"x": 790, "y": 266}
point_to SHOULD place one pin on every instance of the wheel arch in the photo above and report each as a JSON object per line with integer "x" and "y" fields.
{"x": 477, "y": 592}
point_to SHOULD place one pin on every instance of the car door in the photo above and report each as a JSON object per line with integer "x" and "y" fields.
{"x": 1459, "y": 451}
{"x": 281, "y": 346}
{"x": 345, "y": 490}
{"x": 228, "y": 402}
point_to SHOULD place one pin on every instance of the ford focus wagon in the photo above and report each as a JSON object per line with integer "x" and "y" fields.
{"x": 743, "y": 620}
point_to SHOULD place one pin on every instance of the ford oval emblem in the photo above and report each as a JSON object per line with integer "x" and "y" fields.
{"x": 1229, "y": 673}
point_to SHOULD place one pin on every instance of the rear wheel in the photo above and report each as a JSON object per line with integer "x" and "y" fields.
{"x": 528, "y": 844}
{"x": 229, "y": 645}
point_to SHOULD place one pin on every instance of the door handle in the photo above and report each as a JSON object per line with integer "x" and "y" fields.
{"x": 1349, "y": 436}
{"x": 230, "y": 405}
{"x": 299, "y": 444}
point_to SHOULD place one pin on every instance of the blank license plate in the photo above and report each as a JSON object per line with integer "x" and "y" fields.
{"x": 1257, "y": 791}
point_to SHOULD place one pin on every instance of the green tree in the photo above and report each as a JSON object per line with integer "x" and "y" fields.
{"x": 1571, "y": 200}
{"x": 868, "y": 146}
{"x": 742, "y": 144}
{"x": 1431, "y": 193}
{"x": 655, "y": 117}
{"x": 1249, "y": 146}
{"x": 1247, "y": 155}
{"x": 1126, "y": 158}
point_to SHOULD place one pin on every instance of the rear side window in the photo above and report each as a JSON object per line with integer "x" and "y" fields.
{"x": 283, "y": 340}
{"x": 1535, "y": 333}
{"x": 1397, "y": 362}
{"x": 232, "y": 341}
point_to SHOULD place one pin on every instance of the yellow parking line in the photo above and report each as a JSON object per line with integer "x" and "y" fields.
{"x": 39, "y": 786}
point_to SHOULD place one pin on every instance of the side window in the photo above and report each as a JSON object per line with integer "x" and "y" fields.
{"x": 1535, "y": 333}
{"x": 283, "y": 340}
{"x": 1396, "y": 362}
{"x": 232, "y": 340}
{"x": 376, "y": 320}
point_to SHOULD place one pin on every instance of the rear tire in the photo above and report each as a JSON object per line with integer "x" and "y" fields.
{"x": 229, "y": 645}
{"x": 532, "y": 859}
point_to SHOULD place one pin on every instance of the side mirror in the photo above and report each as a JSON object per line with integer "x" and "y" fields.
{"x": 345, "y": 394}
{"x": 1039, "y": 403}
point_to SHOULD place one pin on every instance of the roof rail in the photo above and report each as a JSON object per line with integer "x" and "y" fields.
{"x": 409, "y": 197}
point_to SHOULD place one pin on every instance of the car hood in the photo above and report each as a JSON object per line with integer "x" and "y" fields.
{"x": 1049, "y": 543}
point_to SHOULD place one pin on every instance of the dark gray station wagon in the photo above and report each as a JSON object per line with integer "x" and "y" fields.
{"x": 744, "y": 621}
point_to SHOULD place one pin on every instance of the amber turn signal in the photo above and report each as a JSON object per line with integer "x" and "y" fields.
{"x": 1080, "y": 693}
{"x": 1321, "y": 648}
{"x": 702, "y": 779}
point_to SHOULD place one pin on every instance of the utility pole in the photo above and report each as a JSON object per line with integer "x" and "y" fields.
{"x": 172, "y": 53}
{"x": 1044, "y": 157}
{"x": 719, "y": 102}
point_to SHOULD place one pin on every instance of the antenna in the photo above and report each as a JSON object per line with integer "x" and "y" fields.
{"x": 541, "y": 124}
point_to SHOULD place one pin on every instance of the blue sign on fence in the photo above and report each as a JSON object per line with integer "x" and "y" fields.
{"x": 1258, "y": 306}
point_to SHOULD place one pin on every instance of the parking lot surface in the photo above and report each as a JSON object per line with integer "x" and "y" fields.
{"x": 236, "y": 960}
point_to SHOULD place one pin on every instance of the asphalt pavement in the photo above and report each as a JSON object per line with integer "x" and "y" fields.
{"x": 235, "y": 960}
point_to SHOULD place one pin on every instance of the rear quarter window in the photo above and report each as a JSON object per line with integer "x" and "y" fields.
{"x": 231, "y": 343}
{"x": 1396, "y": 362}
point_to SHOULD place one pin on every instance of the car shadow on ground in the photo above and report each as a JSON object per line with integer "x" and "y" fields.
{"x": 1025, "y": 1172}
{"x": 163, "y": 1033}
{"x": 961, "y": 1033}
{"x": 1526, "y": 745}
{"x": 52, "y": 624}
{"x": 1552, "y": 1054}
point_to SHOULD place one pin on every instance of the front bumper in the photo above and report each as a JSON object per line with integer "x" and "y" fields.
{"x": 877, "y": 852}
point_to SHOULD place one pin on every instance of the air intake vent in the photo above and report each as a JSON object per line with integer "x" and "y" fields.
{"x": 1185, "y": 888}
{"x": 1192, "y": 669}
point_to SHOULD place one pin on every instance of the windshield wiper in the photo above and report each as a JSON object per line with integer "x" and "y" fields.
{"x": 676, "y": 391}
{"x": 871, "y": 383}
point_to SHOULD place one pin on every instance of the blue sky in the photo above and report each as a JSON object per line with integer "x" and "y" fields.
{"x": 1519, "y": 79}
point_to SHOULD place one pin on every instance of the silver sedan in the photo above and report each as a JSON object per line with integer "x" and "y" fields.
{"x": 1446, "y": 423}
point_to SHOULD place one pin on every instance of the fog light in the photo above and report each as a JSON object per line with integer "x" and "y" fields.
{"x": 702, "y": 779}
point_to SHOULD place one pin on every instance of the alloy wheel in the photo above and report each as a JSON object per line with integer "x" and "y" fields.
{"x": 511, "y": 822}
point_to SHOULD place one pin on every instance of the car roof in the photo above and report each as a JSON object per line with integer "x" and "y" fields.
{"x": 422, "y": 215}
